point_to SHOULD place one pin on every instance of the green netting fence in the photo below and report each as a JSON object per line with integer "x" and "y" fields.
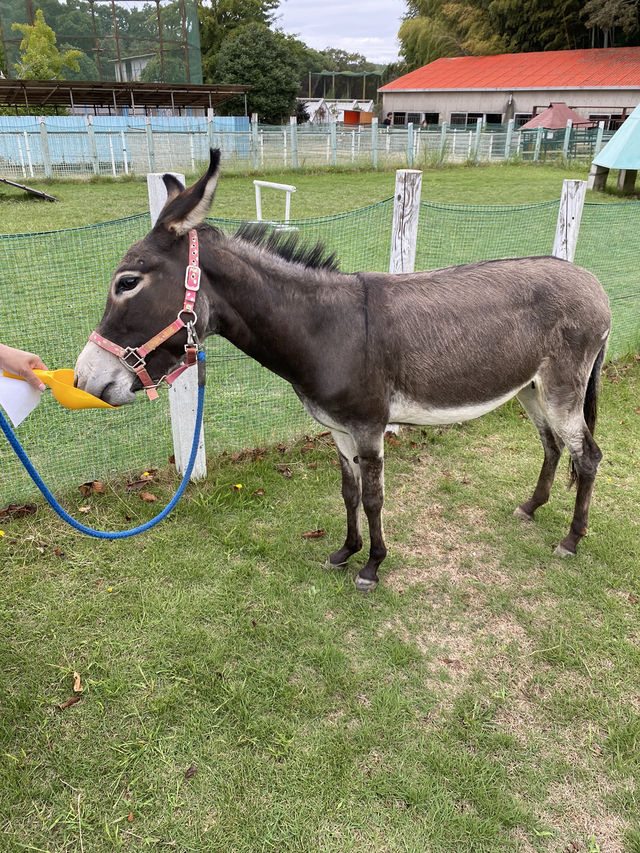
{"x": 53, "y": 288}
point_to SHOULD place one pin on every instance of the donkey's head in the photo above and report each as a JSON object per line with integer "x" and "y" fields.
{"x": 147, "y": 295}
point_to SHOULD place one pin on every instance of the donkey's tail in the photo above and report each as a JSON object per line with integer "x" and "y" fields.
{"x": 590, "y": 406}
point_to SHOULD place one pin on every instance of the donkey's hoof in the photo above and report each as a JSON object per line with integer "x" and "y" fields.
{"x": 336, "y": 567}
{"x": 561, "y": 551}
{"x": 520, "y": 513}
{"x": 364, "y": 584}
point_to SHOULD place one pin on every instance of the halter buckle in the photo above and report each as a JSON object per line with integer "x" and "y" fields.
{"x": 134, "y": 365}
{"x": 192, "y": 278}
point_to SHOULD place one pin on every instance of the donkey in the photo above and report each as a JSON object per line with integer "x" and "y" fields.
{"x": 366, "y": 349}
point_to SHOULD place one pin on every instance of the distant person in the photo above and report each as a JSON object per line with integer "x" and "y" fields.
{"x": 387, "y": 121}
{"x": 22, "y": 364}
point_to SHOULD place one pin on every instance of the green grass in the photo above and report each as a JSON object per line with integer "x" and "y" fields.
{"x": 318, "y": 193}
{"x": 240, "y": 697}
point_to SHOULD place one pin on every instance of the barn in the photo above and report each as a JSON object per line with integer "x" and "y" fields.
{"x": 599, "y": 84}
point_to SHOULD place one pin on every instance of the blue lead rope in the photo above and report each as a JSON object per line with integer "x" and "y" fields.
{"x": 123, "y": 534}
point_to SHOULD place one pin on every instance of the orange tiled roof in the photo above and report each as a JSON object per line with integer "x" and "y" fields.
{"x": 555, "y": 69}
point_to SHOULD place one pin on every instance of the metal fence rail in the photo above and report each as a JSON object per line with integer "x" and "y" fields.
{"x": 79, "y": 146}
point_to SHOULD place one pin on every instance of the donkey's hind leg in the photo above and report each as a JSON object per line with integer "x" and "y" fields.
{"x": 552, "y": 445}
{"x": 352, "y": 496}
{"x": 585, "y": 459}
{"x": 577, "y": 436}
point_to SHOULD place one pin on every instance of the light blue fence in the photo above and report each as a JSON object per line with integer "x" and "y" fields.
{"x": 80, "y": 146}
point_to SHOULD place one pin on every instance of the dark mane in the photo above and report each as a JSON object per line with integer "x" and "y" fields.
{"x": 287, "y": 245}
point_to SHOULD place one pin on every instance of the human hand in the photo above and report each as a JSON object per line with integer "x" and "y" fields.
{"x": 22, "y": 364}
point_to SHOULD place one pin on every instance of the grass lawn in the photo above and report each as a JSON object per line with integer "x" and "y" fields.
{"x": 318, "y": 193}
{"x": 238, "y": 696}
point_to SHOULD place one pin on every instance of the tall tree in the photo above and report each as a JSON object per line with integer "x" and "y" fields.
{"x": 530, "y": 25}
{"x": 256, "y": 56}
{"x": 40, "y": 59}
{"x": 436, "y": 28}
{"x": 220, "y": 18}
{"x": 607, "y": 15}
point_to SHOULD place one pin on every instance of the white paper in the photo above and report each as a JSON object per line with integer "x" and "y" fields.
{"x": 18, "y": 398}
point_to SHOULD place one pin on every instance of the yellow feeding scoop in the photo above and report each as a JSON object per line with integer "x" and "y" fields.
{"x": 61, "y": 384}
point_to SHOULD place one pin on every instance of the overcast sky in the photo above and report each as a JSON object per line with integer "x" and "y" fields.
{"x": 369, "y": 27}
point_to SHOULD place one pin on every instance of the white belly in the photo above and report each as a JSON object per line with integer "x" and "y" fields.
{"x": 406, "y": 411}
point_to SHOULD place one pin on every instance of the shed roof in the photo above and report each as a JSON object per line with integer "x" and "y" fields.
{"x": 556, "y": 116}
{"x": 601, "y": 68}
{"x": 622, "y": 151}
{"x": 75, "y": 92}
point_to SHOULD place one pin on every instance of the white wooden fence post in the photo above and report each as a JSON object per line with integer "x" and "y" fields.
{"x": 150, "y": 151}
{"x": 374, "y": 142}
{"x": 184, "y": 391}
{"x": 410, "y": 144}
{"x": 44, "y": 144}
{"x": 406, "y": 212}
{"x": 476, "y": 143}
{"x": 569, "y": 216}
{"x": 293, "y": 126}
{"x": 567, "y": 138}
{"x": 93, "y": 148}
{"x": 254, "y": 140}
{"x": 509, "y": 137}
{"x": 404, "y": 234}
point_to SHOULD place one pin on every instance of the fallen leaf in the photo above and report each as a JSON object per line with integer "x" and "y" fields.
{"x": 130, "y": 817}
{"x": 58, "y": 551}
{"x": 84, "y": 509}
{"x": 190, "y": 771}
{"x": 77, "y": 683}
{"x": 306, "y": 447}
{"x": 17, "y": 510}
{"x": 92, "y": 487}
{"x": 147, "y": 496}
{"x": 633, "y": 599}
{"x": 638, "y": 411}
{"x": 259, "y": 492}
{"x": 454, "y": 663}
{"x": 313, "y": 534}
{"x": 172, "y": 459}
{"x": 335, "y": 463}
{"x": 285, "y": 471}
{"x": 136, "y": 485}
{"x": 68, "y": 703}
{"x": 312, "y": 465}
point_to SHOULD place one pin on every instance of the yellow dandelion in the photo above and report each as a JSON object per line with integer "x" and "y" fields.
{"x": 238, "y": 486}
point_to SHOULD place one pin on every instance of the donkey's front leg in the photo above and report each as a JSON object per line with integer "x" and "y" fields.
{"x": 352, "y": 496}
{"x": 372, "y": 471}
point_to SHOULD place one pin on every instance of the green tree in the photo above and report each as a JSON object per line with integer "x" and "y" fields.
{"x": 256, "y": 56}
{"x": 40, "y": 59}
{"x": 340, "y": 60}
{"x": 221, "y": 18}
{"x": 530, "y": 25}
{"x": 607, "y": 15}
{"x": 436, "y": 28}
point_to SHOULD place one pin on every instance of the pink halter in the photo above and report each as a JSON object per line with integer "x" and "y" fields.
{"x": 133, "y": 358}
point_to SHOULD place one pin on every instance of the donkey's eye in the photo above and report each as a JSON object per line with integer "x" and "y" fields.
{"x": 127, "y": 282}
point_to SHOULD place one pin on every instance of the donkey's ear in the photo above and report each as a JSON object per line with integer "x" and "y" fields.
{"x": 173, "y": 186}
{"x": 187, "y": 208}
